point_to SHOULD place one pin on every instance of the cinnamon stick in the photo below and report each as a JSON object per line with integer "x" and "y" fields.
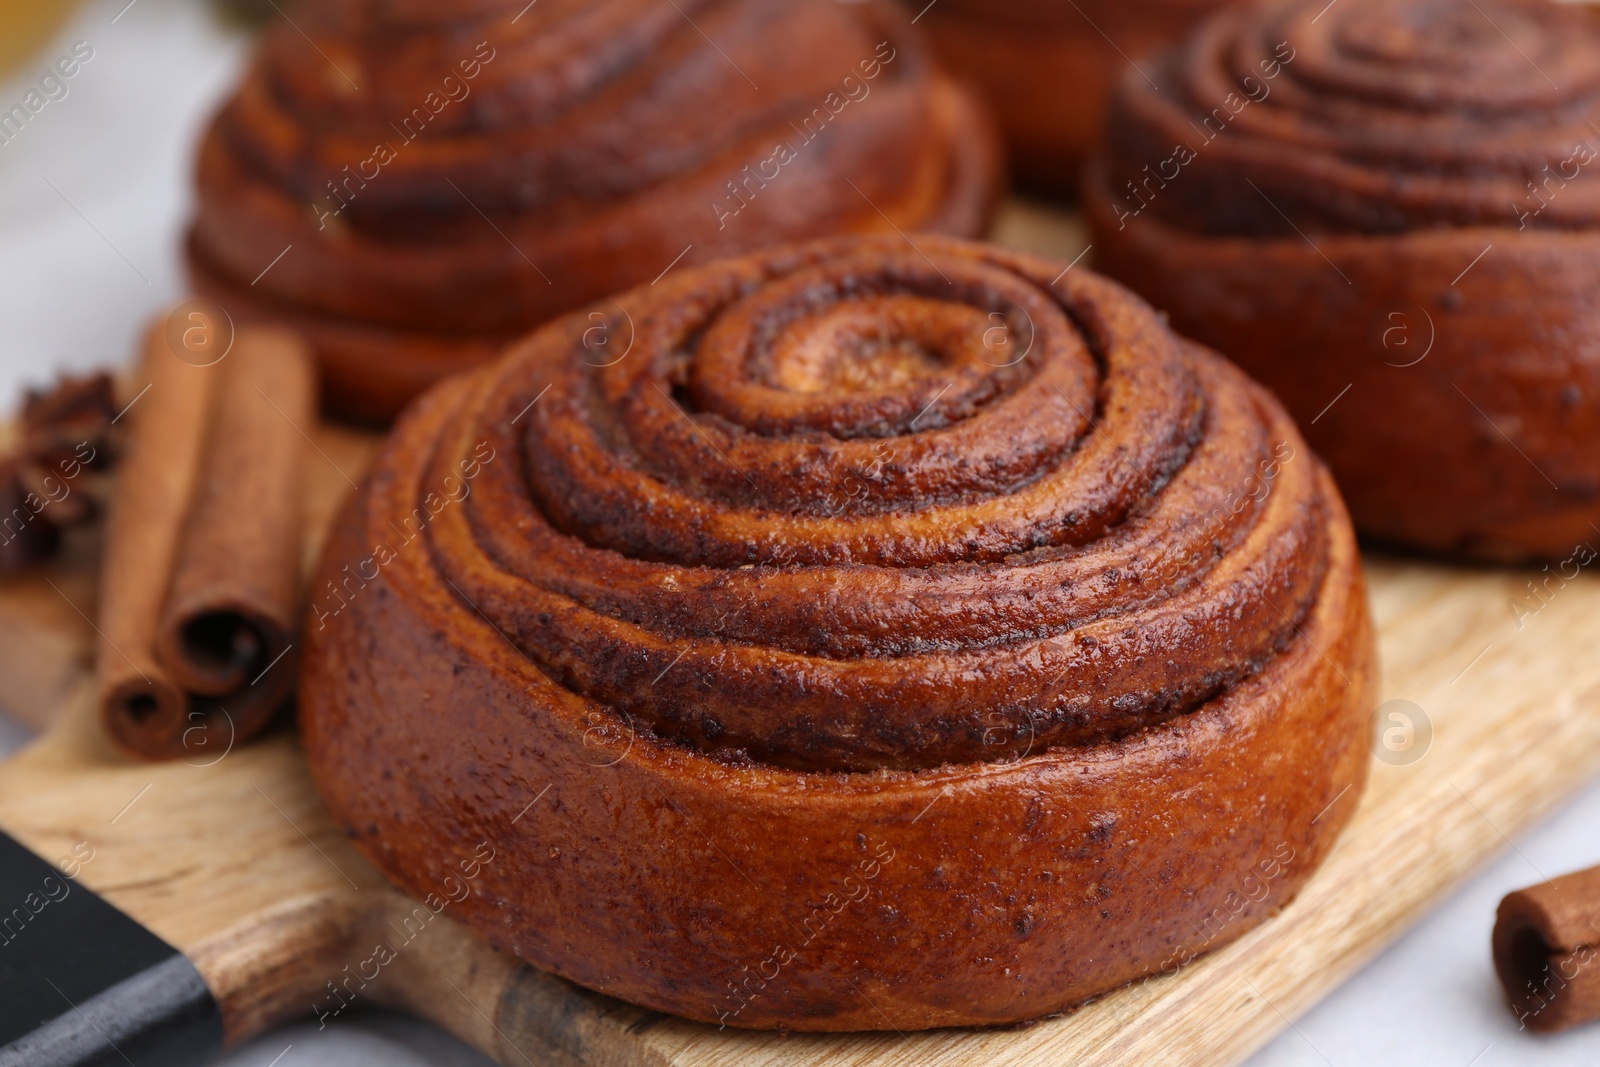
{"x": 159, "y": 468}
{"x": 199, "y": 588}
{"x": 1547, "y": 951}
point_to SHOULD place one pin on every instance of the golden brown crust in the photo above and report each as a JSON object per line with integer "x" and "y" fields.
{"x": 932, "y": 587}
{"x": 1350, "y": 205}
{"x": 1047, "y": 68}
{"x": 512, "y": 163}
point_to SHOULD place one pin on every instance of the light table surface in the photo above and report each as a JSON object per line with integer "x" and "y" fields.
{"x": 93, "y": 197}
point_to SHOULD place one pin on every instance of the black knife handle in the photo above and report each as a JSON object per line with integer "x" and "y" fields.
{"x": 84, "y": 985}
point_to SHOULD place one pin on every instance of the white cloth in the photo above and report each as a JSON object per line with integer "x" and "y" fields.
{"x": 93, "y": 198}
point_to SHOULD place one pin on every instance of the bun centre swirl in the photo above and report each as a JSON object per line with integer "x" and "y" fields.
{"x": 861, "y": 505}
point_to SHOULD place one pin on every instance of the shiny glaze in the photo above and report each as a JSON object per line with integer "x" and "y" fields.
{"x": 1016, "y": 653}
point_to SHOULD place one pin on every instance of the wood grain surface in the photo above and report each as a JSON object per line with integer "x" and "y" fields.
{"x": 231, "y": 858}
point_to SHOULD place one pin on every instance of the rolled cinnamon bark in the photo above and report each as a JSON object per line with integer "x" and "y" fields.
{"x": 139, "y": 701}
{"x": 231, "y": 610}
{"x": 1546, "y": 948}
{"x": 200, "y": 580}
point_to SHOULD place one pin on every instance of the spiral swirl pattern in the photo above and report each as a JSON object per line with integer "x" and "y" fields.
{"x": 851, "y": 508}
{"x": 746, "y": 572}
{"x": 447, "y": 181}
{"x": 1367, "y": 117}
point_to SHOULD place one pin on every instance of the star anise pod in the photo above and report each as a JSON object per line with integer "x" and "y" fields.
{"x": 26, "y": 536}
{"x": 63, "y": 432}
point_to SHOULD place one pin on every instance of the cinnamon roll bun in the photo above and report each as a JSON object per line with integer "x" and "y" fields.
{"x": 1047, "y": 68}
{"x": 413, "y": 187}
{"x": 1388, "y": 213}
{"x": 856, "y": 635}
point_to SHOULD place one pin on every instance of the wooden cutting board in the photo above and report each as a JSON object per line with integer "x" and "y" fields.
{"x": 230, "y": 857}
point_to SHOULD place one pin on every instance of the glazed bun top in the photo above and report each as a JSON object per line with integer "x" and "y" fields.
{"x": 1366, "y": 116}
{"x": 860, "y": 504}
